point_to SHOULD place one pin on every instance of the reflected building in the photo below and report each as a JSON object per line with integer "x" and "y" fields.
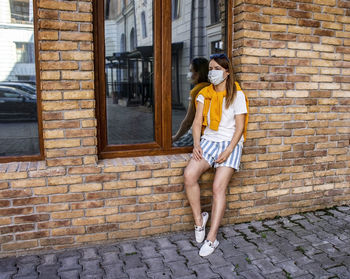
{"x": 17, "y": 61}
{"x": 196, "y": 31}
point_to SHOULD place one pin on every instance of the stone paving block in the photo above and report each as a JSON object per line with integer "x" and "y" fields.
{"x": 193, "y": 276}
{"x": 133, "y": 261}
{"x": 291, "y": 268}
{"x": 6, "y": 274}
{"x": 278, "y": 275}
{"x": 266, "y": 266}
{"x": 89, "y": 253}
{"x": 193, "y": 258}
{"x": 296, "y": 217}
{"x": 341, "y": 272}
{"x": 48, "y": 259}
{"x": 114, "y": 271}
{"x": 109, "y": 258}
{"x": 145, "y": 243}
{"x": 316, "y": 270}
{"x": 149, "y": 252}
{"x": 217, "y": 259}
{"x": 185, "y": 245}
{"x": 226, "y": 272}
{"x": 171, "y": 255}
{"x": 26, "y": 269}
{"x": 165, "y": 274}
{"x": 25, "y": 277}
{"x": 305, "y": 276}
{"x": 137, "y": 273}
{"x": 229, "y": 231}
{"x": 69, "y": 263}
{"x": 253, "y": 253}
{"x": 276, "y": 256}
{"x": 71, "y": 274}
{"x": 204, "y": 272}
{"x": 324, "y": 260}
{"x": 28, "y": 259}
{"x": 253, "y": 273}
{"x": 85, "y": 275}
{"x": 91, "y": 266}
{"x": 155, "y": 264}
{"x": 240, "y": 242}
{"x": 241, "y": 263}
{"x": 47, "y": 270}
{"x": 342, "y": 260}
{"x": 179, "y": 269}
{"x": 164, "y": 243}
{"x": 127, "y": 248}
{"x": 181, "y": 236}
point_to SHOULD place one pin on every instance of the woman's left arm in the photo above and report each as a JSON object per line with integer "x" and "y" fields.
{"x": 239, "y": 118}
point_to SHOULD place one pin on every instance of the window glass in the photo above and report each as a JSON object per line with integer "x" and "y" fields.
{"x": 194, "y": 36}
{"x": 18, "y": 102}
{"x": 129, "y": 71}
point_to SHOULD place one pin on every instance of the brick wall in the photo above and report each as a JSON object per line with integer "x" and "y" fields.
{"x": 292, "y": 59}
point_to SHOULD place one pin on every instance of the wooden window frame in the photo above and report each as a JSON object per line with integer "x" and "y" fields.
{"x": 162, "y": 30}
{"x": 40, "y": 156}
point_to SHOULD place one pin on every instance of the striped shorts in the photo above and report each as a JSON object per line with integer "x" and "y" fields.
{"x": 212, "y": 150}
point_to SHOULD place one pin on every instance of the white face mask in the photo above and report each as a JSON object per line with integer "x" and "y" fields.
{"x": 216, "y": 76}
{"x": 189, "y": 76}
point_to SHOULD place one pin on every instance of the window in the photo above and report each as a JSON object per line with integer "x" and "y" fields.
{"x": 215, "y": 11}
{"x": 20, "y": 10}
{"x": 20, "y": 138}
{"x": 25, "y": 52}
{"x": 175, "y": 9}
{"x": 142, "y": 89}
{"x": 144, "y": 26}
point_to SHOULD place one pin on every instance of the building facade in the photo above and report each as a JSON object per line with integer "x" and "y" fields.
{"x": 291, "y": 58}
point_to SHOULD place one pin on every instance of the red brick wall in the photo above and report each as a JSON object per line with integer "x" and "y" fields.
{"x": 292, "y": 58}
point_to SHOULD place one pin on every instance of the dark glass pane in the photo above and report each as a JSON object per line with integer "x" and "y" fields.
{"x": 198, "y": 32}
{"x": 129, "y": 71}
{"x": 18, "y": 102}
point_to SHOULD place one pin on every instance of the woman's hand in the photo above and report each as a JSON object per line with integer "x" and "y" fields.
{"x": 224, "y": 155}
{"x": 197, "y": 152}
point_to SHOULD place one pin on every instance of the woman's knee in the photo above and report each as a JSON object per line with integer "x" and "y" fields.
{"x": 190, "y": 177}
{"x": 219, "y": 190}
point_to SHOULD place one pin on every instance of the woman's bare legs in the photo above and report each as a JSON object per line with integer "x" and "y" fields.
{"x": 192, "y": 173}
{"x": 222, "y": 177}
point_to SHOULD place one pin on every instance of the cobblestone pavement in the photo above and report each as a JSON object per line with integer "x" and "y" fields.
{"x": 309, "y": 245}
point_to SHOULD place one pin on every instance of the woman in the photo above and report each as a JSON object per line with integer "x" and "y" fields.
{"x": 221, "y": 109}
{"x": 198, "y": 76}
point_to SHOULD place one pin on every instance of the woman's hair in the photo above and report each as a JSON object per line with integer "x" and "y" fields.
{"x": 231, "y": 89}
{"x": 201, "y": 66}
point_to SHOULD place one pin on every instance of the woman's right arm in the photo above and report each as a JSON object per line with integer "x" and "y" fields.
{"x": 196, "y": 131}
{"x": 186, "y": 122}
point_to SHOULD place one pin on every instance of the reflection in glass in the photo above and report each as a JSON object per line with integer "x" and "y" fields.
{"x": 198, "y": 31}
{"x": 18, "y": 104}
{"x": 129, "y": 71}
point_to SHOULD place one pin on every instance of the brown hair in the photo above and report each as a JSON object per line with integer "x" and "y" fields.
{"x": 201, "y": 65}
{"x": 231, "y": 88}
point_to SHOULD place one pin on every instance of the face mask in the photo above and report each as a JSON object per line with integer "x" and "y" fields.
{"x": 189, "y": 76}
{"x": 216, "y": 76}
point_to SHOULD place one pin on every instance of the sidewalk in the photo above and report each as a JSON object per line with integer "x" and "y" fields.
{"x": 303, "y": 246}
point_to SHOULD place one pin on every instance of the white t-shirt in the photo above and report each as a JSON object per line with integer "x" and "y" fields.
{"x": 227, "y": 124}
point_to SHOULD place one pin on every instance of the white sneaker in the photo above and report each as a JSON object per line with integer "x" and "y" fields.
{"x": 208, "y": 247}
{"x": 199, "y": 231}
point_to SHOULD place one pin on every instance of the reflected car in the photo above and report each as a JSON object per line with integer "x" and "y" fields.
{"x": 26, "y": 87}
{"x": 16, "y": 104}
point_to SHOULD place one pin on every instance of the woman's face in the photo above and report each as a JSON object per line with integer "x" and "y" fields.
{"x": 213, "y": 65}
{"x": 195, "y": 75}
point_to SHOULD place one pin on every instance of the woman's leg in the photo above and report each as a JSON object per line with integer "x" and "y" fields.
{"x": 192, "y": 173}
{"x": 222, "y": 178}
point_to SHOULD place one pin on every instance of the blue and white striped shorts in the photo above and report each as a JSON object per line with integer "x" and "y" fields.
{"x": 212, "y": 150}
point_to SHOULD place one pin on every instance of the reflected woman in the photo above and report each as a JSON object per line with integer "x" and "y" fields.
{"x": 198, "y": 76}
{"x": 221, "y": 109}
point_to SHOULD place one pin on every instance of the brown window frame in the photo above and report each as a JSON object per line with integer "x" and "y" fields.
{"x": 40, "y": 156}
{"x": 162, "y": 29}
